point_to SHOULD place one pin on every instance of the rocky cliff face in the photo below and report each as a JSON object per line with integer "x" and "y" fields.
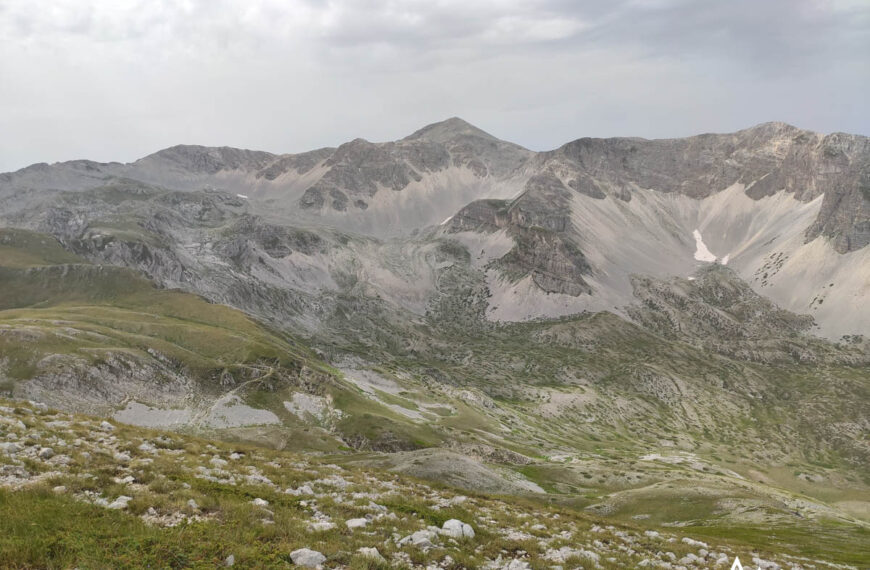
{"x": 540, "y": 224}
{"x": 767, "y": 159}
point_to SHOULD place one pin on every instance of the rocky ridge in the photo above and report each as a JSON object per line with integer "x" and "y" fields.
{"x": 579, "y": 220}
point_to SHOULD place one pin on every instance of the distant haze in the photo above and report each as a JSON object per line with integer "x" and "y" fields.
{"x": 118, "y": 79}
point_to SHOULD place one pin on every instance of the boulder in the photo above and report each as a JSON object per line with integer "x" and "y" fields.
{"x": 455, "y": 528}
{"x": 370, "y": 553}
{"x": 321, "y": 526}
{"x": 307, "y": 558}
{"x": 119, "y": 503}
{"x": 356, "y": 523}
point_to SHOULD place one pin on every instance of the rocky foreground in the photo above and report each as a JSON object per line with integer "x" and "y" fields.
{"x": 78, "y": 491}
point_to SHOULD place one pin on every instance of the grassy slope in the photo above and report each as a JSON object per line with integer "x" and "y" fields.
{"x": 56, "y": 303}
{"x": 85, "y": 309}
{"x": 45, "y": 529}
{"x": 113, "y": 309}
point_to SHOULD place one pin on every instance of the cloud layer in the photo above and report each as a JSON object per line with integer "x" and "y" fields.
{"x": 114, "y": 80}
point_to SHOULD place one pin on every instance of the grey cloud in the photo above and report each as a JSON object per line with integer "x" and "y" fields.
{"x": 115, "y": 79}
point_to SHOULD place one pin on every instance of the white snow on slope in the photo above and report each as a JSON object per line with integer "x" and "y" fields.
{"x": 701, "y": 251}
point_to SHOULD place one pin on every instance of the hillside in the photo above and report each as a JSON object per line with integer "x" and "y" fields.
{"x": 77, "y": 491}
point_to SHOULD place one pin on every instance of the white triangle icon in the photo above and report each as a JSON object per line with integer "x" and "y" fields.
{"x": 737, "y": 565}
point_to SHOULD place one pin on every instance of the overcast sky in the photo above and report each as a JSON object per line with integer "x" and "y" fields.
{"x": 119, "y": 79}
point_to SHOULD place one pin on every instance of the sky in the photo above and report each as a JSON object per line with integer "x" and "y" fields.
{"x": 115, "y": 80}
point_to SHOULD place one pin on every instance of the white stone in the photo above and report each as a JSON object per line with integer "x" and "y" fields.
{"x": 370, "y": 553}
{"x": 46, "y": 453}
{"x": 119, "y": 503}
{"x": 106, "y": 426}
{"x": 9, "y": 447}
{"x": 421, "y": 539}
{"x": 457, "y": 529}
{"x": 356, "y": 523}
{"x": 258, "y": 502}
{"x": 307, "y": 558}
{"x": 321, "y": 526}
{"x": 692, "y": 542}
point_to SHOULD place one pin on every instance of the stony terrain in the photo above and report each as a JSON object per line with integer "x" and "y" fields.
{"x": 78, "y": 491}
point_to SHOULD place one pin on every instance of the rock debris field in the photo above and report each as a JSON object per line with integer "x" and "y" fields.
{"x": 192, "y": 503}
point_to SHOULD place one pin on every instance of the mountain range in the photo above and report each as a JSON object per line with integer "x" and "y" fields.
{"x": 601, "y": 325}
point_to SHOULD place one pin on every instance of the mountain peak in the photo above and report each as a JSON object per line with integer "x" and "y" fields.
{"x": 205, "y": 159}
{"x": 449, "y": 129}
{"x": 771, "y": 128}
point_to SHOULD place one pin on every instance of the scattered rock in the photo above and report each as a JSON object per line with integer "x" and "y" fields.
{"x": 307, "y": 558}
{"x": 457, "y": 529}
{"x": 321, "y": 526}
{"x": 9, "y": 447}
{"x": 370, "y": 553}
{"x": 692, "y": 542}
{"x": 356, "y": 523}
{"x": 218, "y": 462}
{"x": 119, "y": 503}
{"x": 46, "y": 453}
{"x": 421, "y": 539}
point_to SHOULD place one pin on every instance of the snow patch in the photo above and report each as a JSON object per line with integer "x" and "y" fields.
{"x": 701, "y": 251}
